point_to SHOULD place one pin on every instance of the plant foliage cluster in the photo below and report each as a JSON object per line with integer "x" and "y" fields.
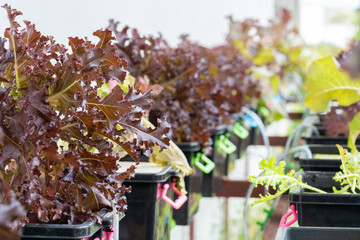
{"x": 197, "y": 88}
{"x": 274, "y": 175}
{"x": 275, "y": 50}
{"x": 336, "y": 121}
{"x": 58, "y": 137}
{"x": 328, "y": 79}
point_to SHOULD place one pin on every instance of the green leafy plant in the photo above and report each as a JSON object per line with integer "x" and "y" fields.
{"x": 349, "y": 176}
{"x": 325, "y": 82}
{"x": 354, "y": 131}
{"x": 274, "y": 176}
{"x": 336, "y": 79}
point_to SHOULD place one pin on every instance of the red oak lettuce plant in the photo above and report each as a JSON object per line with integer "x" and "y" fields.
{"x": 336, "y": 122}
{"x": 198, "y": 87}
{"x": 57, "y": 151}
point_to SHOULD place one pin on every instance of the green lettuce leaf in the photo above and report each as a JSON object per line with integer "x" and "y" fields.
{"x": 325, "y": 82}
{"x": 354, "y": 130}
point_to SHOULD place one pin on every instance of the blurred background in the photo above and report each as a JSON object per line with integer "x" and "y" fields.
{"x": 205, "y": 21}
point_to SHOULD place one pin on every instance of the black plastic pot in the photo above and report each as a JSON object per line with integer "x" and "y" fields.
{"x": 325, "y": 148}
{"x": 318, "y": 233}
{"x": 88, "y": 229}
{"x": 211, "y": 182}
{"x": 325, "y": 210}
{"x": 328, "y": 140}
{"x": 314, "y": 164}
{"x": 320, "y": 129}
{"x": 320, "y": 179}
{"x": 147, "y": 216}
{"x": 184, "y": 215}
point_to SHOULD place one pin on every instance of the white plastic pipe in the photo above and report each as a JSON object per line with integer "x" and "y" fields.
{"x": 297, "y": 131}
{"x": 115, "y": 224}
{"x": 251, "y": 187}
{"x": 261, "y": 128}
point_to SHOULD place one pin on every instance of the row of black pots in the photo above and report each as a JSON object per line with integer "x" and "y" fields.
{"x": 322, "y": 216}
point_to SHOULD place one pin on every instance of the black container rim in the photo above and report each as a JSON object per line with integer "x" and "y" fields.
{"x": 327, "y": 163}
{"x": 219, "y": 130}
{"x": 237, "y": 116}
{"x": 189, "y": 146}
{"x": 326, "y": 148}
{"x": 330, "y": 138}
{"x": 284, "y": 232}
{"x": 107, "y": 220}
{"x": 150, "y": 172}
{"x": 60, "y": 231}
{"x": 298, "y": 196}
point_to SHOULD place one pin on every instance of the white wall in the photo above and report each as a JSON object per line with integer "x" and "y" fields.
{"x": 314, "y": 28}
{"x": 204, "y": 20}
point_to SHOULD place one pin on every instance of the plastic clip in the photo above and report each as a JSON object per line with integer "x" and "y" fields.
{"x": 179, "y": 201}
{"x": 264, "y": 111}
{"x": 284, "y": 218}
{"x": 210, "y": 165}
{"x": 240, "y": 131}
{"x": 107, "y": 235}
{"x": 226, "y": 145}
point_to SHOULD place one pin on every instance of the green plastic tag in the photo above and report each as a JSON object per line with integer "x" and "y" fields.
{"x": 264, "y": 111}
{"x": 240, "y": 131}
{"x": 209, "y": 165}
{"x": 226, "y": 145}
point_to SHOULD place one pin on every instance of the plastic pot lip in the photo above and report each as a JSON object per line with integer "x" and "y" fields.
{"x": 189, "y": 146}
{"x": 219, "y": 130}
{"x": 237, "y": 116}
{"x": 59, "y": 231}
{"x": 149, "y": 172}
{"x": 298, "y": 196}
{"x": 85, "y": 224}
{"x": 288, "y": 232}
{"x": 328, "y": 165}
{"x": 326, "y": 148}
{"x": 108, "y": 220}
{"x": 105, "y": 215}
{"x": 325, "y": 179}
{"x": 328, "y": 140}
{"x": 326, "y": 137}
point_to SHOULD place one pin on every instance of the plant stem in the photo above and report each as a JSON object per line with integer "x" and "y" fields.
{"x": 16, "y": 65}
{"x": 61, "y": 92}
{"x": 311, "y": 188}
{"x": 306, "y": 186}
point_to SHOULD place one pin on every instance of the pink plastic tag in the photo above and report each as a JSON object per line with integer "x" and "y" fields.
{"x": 182, "y": 198}
{"x": 283, "y": 220}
